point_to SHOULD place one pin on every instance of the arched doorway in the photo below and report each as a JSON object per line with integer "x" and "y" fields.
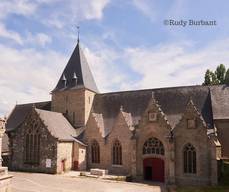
{"x": 153, "y": 163}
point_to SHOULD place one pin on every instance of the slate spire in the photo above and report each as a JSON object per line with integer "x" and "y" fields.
{"x": 77, "y": 68}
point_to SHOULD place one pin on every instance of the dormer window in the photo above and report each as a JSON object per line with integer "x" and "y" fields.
{"x": 64, "y": 80}
{"x": 152, "y": 117}
{"x": 191, "y": 123}
{"x": 74, "y": 79}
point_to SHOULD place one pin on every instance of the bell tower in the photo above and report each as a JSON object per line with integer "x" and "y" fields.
{"x": 75, "y": 90}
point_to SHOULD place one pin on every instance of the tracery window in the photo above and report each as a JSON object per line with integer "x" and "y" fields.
{"x": 32, "y": 143}
{"x": 117, "y": 153}
{"x": 153, "y": 146}
{"x": 189, "y": 159}
{"x": 95, "y": 152}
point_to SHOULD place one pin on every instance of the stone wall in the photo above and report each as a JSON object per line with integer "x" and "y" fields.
{"x": 77, "y": 102}
{"x": 207, "y": 149}
{"x": 64, "y": 156}
{"x": 198, "y": 138}
{"x": 48, "y": 146}
{"x": 223, "y": 133}
{"x": 122, "y": 133}
{"x": 94, "y": 132}
{"x": 158, "y": 129}
{"x": 89, "y": 97}
{"x": 79, "y": 157}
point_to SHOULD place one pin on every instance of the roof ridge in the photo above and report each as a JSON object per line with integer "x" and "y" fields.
{"x": 154, "y": 89}
{"x": 48, "y": 111}
{"x": 24, "y": 104}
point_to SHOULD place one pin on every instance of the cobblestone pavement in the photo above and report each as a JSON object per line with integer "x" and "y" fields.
{"x": 36, "y": 182}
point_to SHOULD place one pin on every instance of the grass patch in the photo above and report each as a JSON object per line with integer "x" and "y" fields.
{"x": 222, "y": 187}
{"x": 225, "y": 177}
{"x": 203, "y": 189}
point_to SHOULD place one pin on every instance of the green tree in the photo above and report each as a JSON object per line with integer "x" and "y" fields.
{"x": 214, "y": 79}
{"x": 220, "y": 73}
{"x": 207, "y": 78}
{"x": 219, "y": 77}
{"x": 226, "y": 81}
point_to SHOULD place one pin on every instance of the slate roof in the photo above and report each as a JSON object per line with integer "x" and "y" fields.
{"x": 220, "y": 101}
{"x": 172, "y": 101}
{"x": 211, "y": 101}
{"x": 19, "y": 113}
{"x": 58, "y": 125}
{"x": 77, "y": 73}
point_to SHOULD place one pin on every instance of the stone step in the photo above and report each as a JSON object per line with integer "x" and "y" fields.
{"x": 99, "y": 172}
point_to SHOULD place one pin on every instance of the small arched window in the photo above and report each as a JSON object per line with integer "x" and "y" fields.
{"x": 117, "y": 153}
{"x": 153, "y": 146}
{"x": 95, "y": 152}
{"x": 189, "y": 159}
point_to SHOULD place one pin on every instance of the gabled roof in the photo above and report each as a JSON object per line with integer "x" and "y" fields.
{"x": 220, "y": 101}
{"x": 172, "y": 102}
{"x": 77, "y": 73}
{"x": 57, "y": 124}
{"x": 19, "y": 113}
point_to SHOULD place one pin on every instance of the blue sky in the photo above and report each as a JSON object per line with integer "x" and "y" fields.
{"x": 126, "y": 43}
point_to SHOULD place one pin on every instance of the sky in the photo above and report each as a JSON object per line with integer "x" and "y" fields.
{"x": 127, "y": 44}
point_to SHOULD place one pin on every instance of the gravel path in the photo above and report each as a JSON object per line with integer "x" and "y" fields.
{"x": 36, "y": 182}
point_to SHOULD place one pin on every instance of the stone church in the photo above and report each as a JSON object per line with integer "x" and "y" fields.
{"x": 174, "y": 135}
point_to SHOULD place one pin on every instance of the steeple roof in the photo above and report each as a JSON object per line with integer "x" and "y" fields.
{"x": 77, "y": 73}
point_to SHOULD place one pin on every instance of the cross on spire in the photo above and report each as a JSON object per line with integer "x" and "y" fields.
{"x": 78, "y": 33}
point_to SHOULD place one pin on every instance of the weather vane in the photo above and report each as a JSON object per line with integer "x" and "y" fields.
{"x": 78, "y": 32}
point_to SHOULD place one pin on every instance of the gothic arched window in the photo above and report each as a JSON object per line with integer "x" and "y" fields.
{"x": 95, "y": 152}
{"x": 153, "y": 146}
{"x": 189, "y": 159}
{"x": 32, "y": 143}
{"x": 117, "y": 153}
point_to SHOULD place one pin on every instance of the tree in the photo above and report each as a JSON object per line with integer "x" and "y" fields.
{"x": 215, "y": 80}
{"x": 226, "y": 81}
{"x": 220, "y": 73}
{"x": 219, "y": 77}
{"x": 207, "y": 78}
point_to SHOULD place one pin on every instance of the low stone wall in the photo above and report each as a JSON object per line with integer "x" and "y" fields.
{"x": 99, "y": 172}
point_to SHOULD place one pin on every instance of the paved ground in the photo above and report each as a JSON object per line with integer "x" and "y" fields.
{"x": 35, "y": 182}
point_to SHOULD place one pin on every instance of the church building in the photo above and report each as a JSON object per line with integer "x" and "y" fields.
{"x": 174, "y": 135}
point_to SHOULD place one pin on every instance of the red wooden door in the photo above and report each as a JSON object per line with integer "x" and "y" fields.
{"x": 156, "y": 166}
{"x": 63, "y": 165}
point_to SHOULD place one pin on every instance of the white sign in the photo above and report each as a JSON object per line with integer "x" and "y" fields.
{"x": 48, "y": 163}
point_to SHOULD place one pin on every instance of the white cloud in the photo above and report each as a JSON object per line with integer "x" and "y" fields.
{"x": 176, "y": 64}
{"x": 95, "y": 9}
{"x": 146, "y": 7}
{"x": 21, "y": 7}
{"x": 8, "y": 34}
{"x": 106, "y": 72}
{"x": 27, "y": 75}
{"x": 74, "y": 11}
{"x": 39, "y": 39}
{"x": 59, "y": 13}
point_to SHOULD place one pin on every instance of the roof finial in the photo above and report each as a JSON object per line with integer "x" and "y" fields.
{"x": 78, "y": 33}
